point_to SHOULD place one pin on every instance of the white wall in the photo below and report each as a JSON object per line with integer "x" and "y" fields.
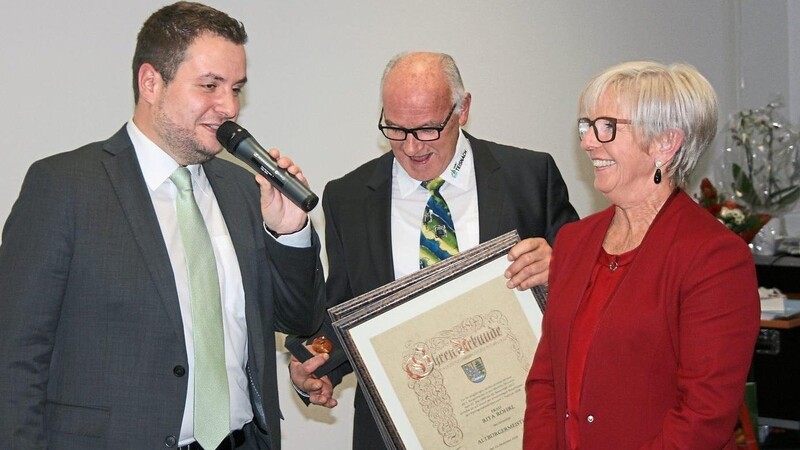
{"x": 793, "y": 75}
{"x": 314, "y": 69}
{"x": 764, "y": 34}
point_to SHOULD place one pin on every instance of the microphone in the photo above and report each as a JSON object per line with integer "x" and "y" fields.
{"x": 241, "y": 144}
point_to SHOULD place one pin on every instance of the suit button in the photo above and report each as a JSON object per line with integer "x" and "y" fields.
{"x": 566, "y": 416}
{"x": 179, "y": 371}
{"x": 170, "y": 441}
{"x": 590, "y": 419}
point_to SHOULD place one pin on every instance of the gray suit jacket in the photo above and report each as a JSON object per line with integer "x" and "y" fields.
{"x": 92, "y": 351}
{"x": 517, "y": 190}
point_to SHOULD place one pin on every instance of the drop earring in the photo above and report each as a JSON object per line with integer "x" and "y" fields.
{"x": 657, "y": 176}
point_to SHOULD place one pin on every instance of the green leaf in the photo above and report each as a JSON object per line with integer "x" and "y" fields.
{"x": 743, "y": 187}
{"x": 785, "y": 196}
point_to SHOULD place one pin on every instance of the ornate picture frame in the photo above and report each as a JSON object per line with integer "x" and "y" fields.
{"x": 442, "y": 354}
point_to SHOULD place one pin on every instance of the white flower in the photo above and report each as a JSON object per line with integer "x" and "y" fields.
{"x": 762, "y": 159}
{"x": 734, "y": 214}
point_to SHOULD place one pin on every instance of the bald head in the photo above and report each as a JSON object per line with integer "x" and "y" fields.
{"x": 423, "y": 90}
{"x": 423, "y": 73}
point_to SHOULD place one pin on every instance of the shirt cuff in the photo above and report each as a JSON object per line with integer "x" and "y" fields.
{"x": 300, "y": 391}
{"x": 299, "y": 239}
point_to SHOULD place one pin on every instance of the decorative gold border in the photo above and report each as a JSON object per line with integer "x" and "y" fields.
{"x": 370, "y": 307}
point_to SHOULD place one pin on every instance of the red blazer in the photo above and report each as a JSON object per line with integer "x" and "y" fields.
{"x": 669, "y": 360}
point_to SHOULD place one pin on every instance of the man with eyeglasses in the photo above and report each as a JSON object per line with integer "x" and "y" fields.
{"x": 373, "y": 214}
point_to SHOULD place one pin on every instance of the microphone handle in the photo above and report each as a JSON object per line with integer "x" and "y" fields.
{"x": 284, "y": 182}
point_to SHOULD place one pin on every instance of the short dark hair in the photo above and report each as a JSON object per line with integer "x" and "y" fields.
{"x": 168, "y": 32}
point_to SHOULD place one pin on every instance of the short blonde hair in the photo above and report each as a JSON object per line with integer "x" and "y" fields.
{"x": 658, "y": 97}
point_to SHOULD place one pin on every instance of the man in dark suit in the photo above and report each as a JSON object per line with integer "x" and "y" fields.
{"x": 373, "y": 214}
{"x": 100, "y": 339}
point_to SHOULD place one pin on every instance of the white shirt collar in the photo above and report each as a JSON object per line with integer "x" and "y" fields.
{"x": 458, "y": 171}
{"x": 155, "y": 163}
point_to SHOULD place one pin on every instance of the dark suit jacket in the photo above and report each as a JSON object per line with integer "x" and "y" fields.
{"x": 517, "y": 189}
{"x": 92, "y": 351}
{"x": 670, "y": 354}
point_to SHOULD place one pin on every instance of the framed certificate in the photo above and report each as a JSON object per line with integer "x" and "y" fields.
{"x": 442, "y": 355}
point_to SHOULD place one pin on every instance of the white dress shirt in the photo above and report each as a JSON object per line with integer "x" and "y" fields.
{"x": 408, "y": 203}
{"x": 157, "y": 166}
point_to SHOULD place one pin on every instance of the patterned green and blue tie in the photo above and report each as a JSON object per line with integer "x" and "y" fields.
{"x": 437, "y": 239}
{"x": 211, "y": 397}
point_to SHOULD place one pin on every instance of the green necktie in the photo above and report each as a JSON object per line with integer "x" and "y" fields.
{"x": 437, "y": 239}
{"x": 211, "y": 397}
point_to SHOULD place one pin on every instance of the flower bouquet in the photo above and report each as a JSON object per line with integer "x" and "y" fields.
{"x": 733, "y": 215}
{"x": 760, "y": 161}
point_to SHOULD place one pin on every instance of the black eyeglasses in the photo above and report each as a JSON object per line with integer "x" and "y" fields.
{"x": 422, "y": 133}
{"x": 605, "y": 128}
